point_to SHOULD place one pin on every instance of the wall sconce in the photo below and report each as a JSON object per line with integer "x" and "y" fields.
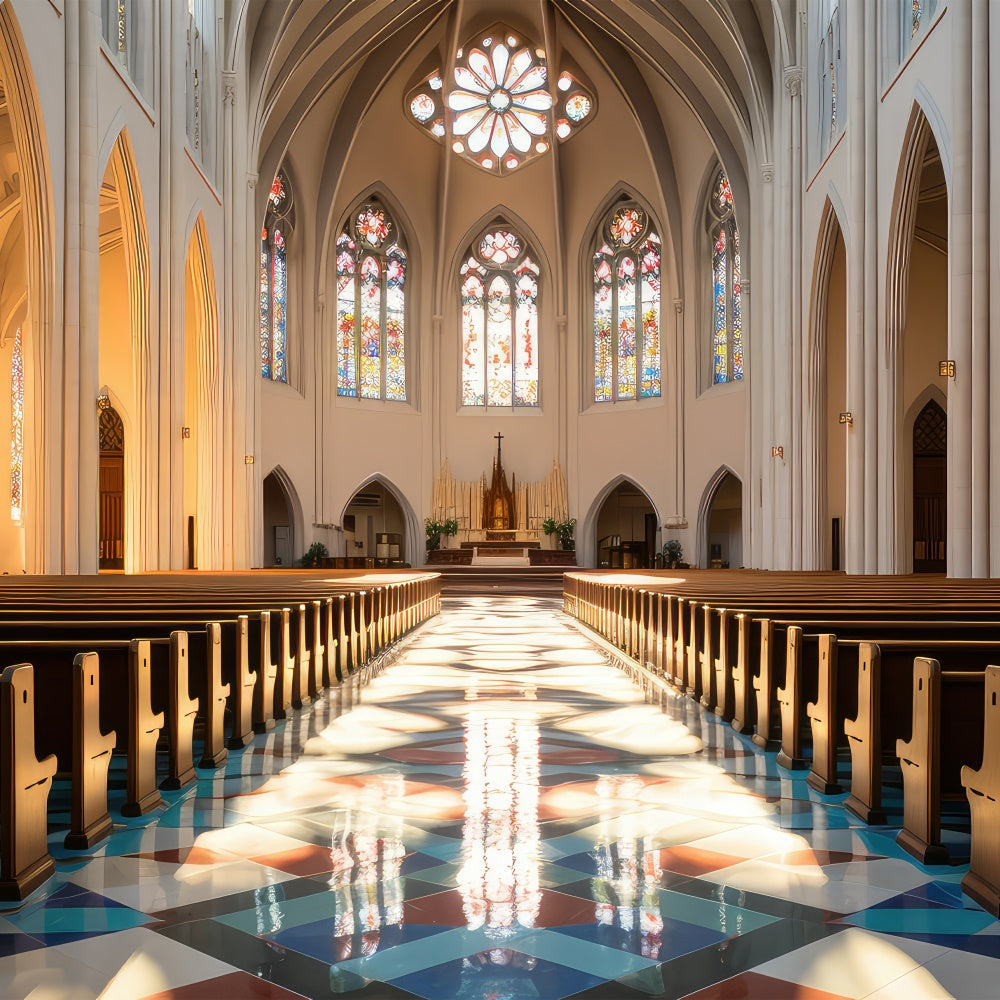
{"x": 248, "y": 459}
{"x": 847, "y": 417}
{"x": 185, "y": 432}
{"x": 946, "y": 369}
{"x": 777, "y": 451}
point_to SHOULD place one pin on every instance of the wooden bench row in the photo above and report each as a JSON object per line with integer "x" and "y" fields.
{"x": 129, "y": 683}
{"x": 876, "y": 683}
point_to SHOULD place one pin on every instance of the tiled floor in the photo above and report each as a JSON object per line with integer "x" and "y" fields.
{"x": 499, "y": 815}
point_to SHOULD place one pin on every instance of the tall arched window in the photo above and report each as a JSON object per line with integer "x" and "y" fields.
{"x": 627, "y": 307}
{"x": 274, "y": 282}
{"x": 371, "y": 307}
{"x": 914, "y": 15}
{"x": 499, "y": 321}
{"x": 724, "y": 248}
{"x": 16, "y": 429}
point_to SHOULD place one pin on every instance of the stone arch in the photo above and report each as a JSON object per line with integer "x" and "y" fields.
{"x": 121, "y": 192}
{"x": 290, "y": 495}
{"x": 817, "y": 391}
{"x": 586, "y": 539}
{"x": 202, "y": 459}
{"x": 414, "y": 531}
{"x": 705, "y": 505}
{"x": 921, "y": 136}
{"x": 43, "y": 420}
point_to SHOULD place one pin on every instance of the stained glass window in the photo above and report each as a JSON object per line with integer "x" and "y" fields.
{"x": 499, "y": 322}
{"x": 371, "y": 307}
{"x": 16, "y": 429}
{"x": 627, "y": 307}
{"x": 273, "y": 283}
{"x": 726, "y": 268}
{"x": 499, "y": 108}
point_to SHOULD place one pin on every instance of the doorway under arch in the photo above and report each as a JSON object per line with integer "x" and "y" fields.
{"x": 111, "y": 551}
{"x": 722, "y": 523}
{"x": 279, "y": 521}
{"x": 375, "y": 527}
{"x": 930, "y": 496}
{"x": 625, "y": 528}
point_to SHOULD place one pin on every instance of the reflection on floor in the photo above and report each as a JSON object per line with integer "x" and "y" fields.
{"x": 500, "y": 815}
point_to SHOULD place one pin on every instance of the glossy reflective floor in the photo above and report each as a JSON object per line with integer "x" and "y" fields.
{"x": 500, "y": 815}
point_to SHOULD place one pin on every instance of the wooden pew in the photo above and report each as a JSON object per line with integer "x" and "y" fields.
{"x": 947, "y": 733}
{"x": 25, "y": 781}
{"x": 982, "y": 786}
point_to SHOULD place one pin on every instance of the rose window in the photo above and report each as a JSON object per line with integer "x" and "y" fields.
{"x": 500, "y": 110}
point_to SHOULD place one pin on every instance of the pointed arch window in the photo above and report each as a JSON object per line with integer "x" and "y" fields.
{"x": 274, "y": 282}
{"x": 17, "y": 429}
{"x": 725, "y": 265}
{"x": 626, "y": 284}
{"x": 371, "y": 307}
{"x": 499, "y": 285}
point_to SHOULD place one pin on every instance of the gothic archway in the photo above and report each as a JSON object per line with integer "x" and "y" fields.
{"x": 111, "y": 507}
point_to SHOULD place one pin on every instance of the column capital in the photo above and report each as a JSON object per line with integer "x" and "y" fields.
{"x": 678, "y": 306}
{"x": 228, "y": 87}
{"x": 793, "y": 80}
{"x": 767, "y": 172}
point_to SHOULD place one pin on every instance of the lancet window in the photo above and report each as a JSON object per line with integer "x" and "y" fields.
{"x": 274, "y": 282}
{"x": 371, "y": 306}
{"x": 726, "y": 269}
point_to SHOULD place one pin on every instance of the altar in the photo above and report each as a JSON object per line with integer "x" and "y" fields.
{"x": 494, "y": 515}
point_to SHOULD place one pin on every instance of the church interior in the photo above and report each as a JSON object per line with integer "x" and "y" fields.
{"x": 502, "y": 499}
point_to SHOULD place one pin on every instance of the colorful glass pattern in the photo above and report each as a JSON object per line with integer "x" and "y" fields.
{"x": 17, "y": 429}
{"x": 279, "y": 295}
{"x": 265, "y": 305}
{"x": 501, "y": 103}
{"x": 727, "y": 317}
{"x": 395, "y": 342}
{"x": 916, "y": 13}
{"x": 626, "y": 328}
{"x": 603, "y": 313}
{"x": 720, "y": 338}
{"x": 371, "y": 309}
{"x": 422, "y": 107}
{"x": 372, "y": 226}
{"x": 273, "y": 283}
{"x": 650, "y": 298}
{"x": 627, "y": 309}
{"x": 347, "y": 370}
{"x": 578, "y": 107}
{"x": 473, "y": 330}
{"x": 370, "y": 348}
{"x": 627, "y": 225}
{"x": 499, "y": 324}
{"x": 500, "y": 247}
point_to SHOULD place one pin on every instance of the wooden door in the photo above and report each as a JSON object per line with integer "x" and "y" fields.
{"x": 111, "y": 554}
{"x": 930, "y": 481}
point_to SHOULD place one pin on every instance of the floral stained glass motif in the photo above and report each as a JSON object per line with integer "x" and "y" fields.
{"x": 17, "y": 429}
{"x": 371, "y": 308}
{"x": 726, "y": 268}
{"x": 500, "y": 103}
{"x": 499, "y": 323}
{"x": 273, "y": 283}
{"x": 627, "y": 308}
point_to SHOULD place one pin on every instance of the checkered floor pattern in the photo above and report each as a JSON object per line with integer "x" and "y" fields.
{"x": 501, "y": 814}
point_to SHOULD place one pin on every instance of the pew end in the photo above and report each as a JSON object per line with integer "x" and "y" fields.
{"x": 982, "y": 882}
{"x": 25, "y": 782}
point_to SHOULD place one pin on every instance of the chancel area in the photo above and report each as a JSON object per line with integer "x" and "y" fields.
{"x": 502, "y": 498}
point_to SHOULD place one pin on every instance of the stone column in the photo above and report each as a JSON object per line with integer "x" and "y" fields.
{"x": 960, "y": 392}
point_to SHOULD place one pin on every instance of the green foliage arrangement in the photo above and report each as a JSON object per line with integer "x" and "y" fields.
{"x": 563, "y": 530}
{"x": 673, "y": 553}
{"x": 435, "y": 529}
{"x": 312, "y": 557}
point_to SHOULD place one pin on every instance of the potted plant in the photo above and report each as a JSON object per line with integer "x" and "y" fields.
{"x": 313, "y": 558}
{"x": 672, "y": 553}
{"x": 435, "y": 529}
{"x": 563, "y": 530}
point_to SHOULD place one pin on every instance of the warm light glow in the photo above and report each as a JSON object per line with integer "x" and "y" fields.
{"x": 565, "y": 81}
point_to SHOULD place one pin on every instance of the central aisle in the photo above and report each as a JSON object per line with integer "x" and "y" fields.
{"x": 501, "y": 814}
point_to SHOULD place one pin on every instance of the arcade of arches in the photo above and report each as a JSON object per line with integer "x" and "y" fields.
{"x": 368, "y": 286}
{"x": 588, "y": 275}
